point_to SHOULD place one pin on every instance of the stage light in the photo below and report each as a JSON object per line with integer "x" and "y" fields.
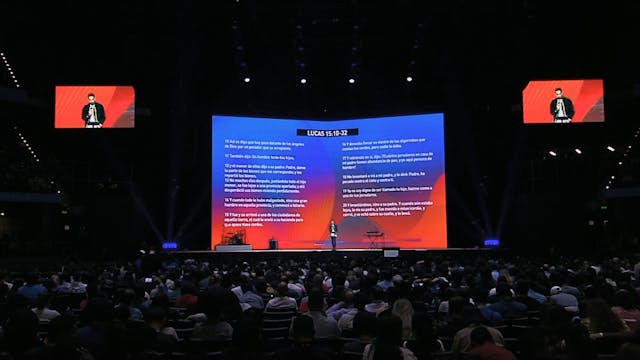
{"x": 613, "y": 176}
{"x": 409, "y": 79}
{"x": 619, "y": 162}
{"x": 170, "y": 245}
{"x": 247, "y": 79}
{"x": 552, "y": 153}
{"x": 610, "y": 148}
{"x": 303, "y": 81}
{"x": 2, "y": 213}
{"x": 578, "y": 151}
{"x": 492, "y": 242}
{"x": 352, "y": 81}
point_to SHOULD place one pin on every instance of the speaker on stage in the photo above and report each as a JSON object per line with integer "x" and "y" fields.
{"x": 273, "y": 244}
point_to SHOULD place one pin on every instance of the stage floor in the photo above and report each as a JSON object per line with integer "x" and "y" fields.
{"x": 328, "y": 253}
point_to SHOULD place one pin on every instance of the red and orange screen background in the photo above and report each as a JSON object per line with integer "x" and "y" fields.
{"x": 587, "y": 96}
{"x": 287, "y": 178}
{"x": 118, "y": 102}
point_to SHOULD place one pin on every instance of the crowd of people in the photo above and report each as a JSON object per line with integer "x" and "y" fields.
{"x": 416, "y": 306}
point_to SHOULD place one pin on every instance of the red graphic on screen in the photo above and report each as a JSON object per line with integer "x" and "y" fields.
{"x": 118, "y": 102}
{"x": 587, "y": 97}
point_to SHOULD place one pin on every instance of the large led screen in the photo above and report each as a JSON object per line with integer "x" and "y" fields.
{"x": 563, "y": 101}
{"x": 88, "y": 106}
{"x": 282, "y": 181}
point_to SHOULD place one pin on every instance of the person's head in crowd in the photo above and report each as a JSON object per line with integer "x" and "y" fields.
{"x": 127, "y": 297}
{"x": 601, "y": 317}
{"x": 43, "y": 300}
{"x": 522, "y": 287}
{"x": 456, "y": 305}
{"x": 98, "y": 310}
{"x": 377, "y": 294}
{"x": 32, "y": 277}
{"x": 60, "y": 334}
{"x": 247, "y": 335}
{"x": 188, "y": 288}
{"x": 535, "y": 344}
{"x": 360, "y": 299}
{"x": 303, "y": 329}
{"x": 472, "y": 315}
{"x": 503, "y": 291}
{"x": 364, "y": 325}
{"x": 388, "y": 338}
{"x": 316, "y": 300}
{"x": 626, "y": 299}
{"x": 261, "y": 285}
{"x": 479, "y": 336}
{"x": 403, "y": 309}
{"x": 156, "y": 317}
{"x": 283, "y": 289}
{"x": 423, "y": 327}
{"x": 246, "y": 286}
{"x": 20, "y": 331}
{"x": 162, "y": 300}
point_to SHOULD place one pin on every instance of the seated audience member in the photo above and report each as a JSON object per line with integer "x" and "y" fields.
{"x": 166, "y": 337}
{"x": 626, "y": 307}
{"x": 364, "y": 327}
{"x": 32, "y": 288}
{"x": 247, "y": 342}
{"x": 425, "y": 341}
{"x": 42, "y": 309}
{"x": 126, "y": 304}
{"x": 213, "y": 327}
{"x": 59, "y": 341}
{"x": 403, "y": 309}
{"x": 282, "y": 300}
{"x": 523, "y": 289}
{"x": 325, "y": 327}
{"x": 455, "y": 318}
{"x": 188, "y": 295}
{"x": 96, "y": 332}
{"x": 303, "y": 335}
{"x": 377, "y": 302}
{"x": 343, "y": 306}
{"x": 20, "y": 335}
{"x": 345, "y": 323}
{"x": 482, "y": 346}
{"x": 568, "y": 301}
{"x": 388, "y": 342}
{"x": 505, "y": 304}
{"x": 250, "y": 297}
{"x": 462, "y": 339}
{"x": 601, "y": 321}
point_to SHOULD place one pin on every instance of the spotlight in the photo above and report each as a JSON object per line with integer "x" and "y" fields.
{"x": 492, "y": 242}
{"x": 170, "y": 245}
{"x": 578, "y": 151}
{"x": 303, "y": 81}
{"x": 247, "y": 79}
{"x": 552, "y": 153}
{"x": 409, "y": 79}
{"x": 352, "y": 81}
{"x": 610, "y": 148}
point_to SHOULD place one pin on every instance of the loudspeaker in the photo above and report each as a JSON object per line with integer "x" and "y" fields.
{"x": 273, "y": 244}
